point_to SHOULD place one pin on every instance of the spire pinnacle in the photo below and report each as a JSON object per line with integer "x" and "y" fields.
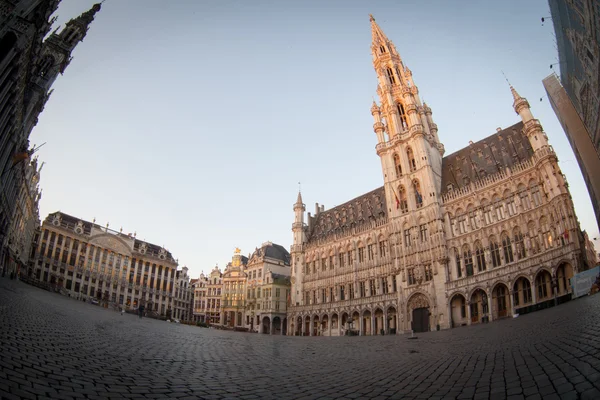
{"x": 377, "y": 34}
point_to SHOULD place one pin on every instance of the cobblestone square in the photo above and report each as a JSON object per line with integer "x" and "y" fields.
{"x": 59, "y": 348}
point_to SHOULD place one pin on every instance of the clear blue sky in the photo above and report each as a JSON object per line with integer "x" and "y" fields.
{"x": 191, "y": 122}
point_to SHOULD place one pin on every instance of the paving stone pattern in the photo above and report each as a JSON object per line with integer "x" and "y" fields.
{"x": 54, "y": 347}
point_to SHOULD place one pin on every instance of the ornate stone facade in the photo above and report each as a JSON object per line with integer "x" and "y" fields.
{"x": 484, "y": 233}
{"x": 87, "y": 261}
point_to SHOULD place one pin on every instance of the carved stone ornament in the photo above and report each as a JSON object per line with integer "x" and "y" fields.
{"x": 79, "y": 228}
{"x": 418, "y": 301}
{"x": 418, "y": 274}
{"x": 143, "y": 248}
{"x": 56, "y": 220}
{"x": 293, "y": 280}
{"x": 162, "y": 254}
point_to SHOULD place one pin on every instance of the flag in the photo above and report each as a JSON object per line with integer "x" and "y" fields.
{"x": 397, "y": 199}
{"x": 419, "y": 198}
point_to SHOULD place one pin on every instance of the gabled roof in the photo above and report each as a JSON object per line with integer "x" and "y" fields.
{"x": 485, "y": 157}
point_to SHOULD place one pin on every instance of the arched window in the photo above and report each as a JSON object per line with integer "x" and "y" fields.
{"x": 418, "y": 196}
{"x": 397, "y": 165}
{"x": 519, "y": 244}
{"x": 402, "y": 115}
{"x": 524, "y": 197}
{"x": 411, "y": 160}
{"x": 507, "y": 248}
{"x": 535, "y": 193}
{"x": 468, "y": 257}
{"x": 495, "y": 252}
{"x": 403, "y": 202}
{"x": 480, "y": 256}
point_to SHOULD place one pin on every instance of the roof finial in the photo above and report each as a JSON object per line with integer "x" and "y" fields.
{"x": 516, "y": 95}
{"x": 299, "y": 187}
{"x": 371, "y": 18}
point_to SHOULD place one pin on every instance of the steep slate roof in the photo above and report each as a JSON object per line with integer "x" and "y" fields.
{"x": 356, "y": 212}
{"x": 272, "y": 250}
{"x": 486, "y": 157}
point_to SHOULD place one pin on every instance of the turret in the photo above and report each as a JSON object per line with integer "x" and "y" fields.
{"x": 532, "y": 127}
{"x": 296, "y": 254}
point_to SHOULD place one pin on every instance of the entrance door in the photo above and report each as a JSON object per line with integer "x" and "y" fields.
{"x": 420, "y": 320}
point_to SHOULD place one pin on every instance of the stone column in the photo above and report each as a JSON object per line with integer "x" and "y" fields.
{"x": 361, "y": 320}
{"x": 386, "y": 324}
{"x": 512, "y": 305}
{"x": 468, "y": 305}
{"x": 490, "y": 306}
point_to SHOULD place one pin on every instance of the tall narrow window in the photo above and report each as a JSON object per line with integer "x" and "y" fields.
{"x": 519, "y": 244}
{"x": 411, "y": 276}
{"x": 361, "y": 254}
{"x": 407, "y": 237}
{"x": 458, "y": 269}
{"x": 382, "y": 49}
{"x": 418, "y": 196}
{"x": 423, "y": 232}
{"x": 397, "y": 165}
{"x": 411, "y": 160}
{"x": 480, "y": 256}
{"x": 402, "y": 115}
{"x": 382, "y": 248}
{"x": 495, "y": 250}
{"x": 391, "y": 76}
{"x": 371, "y": 251}
{"x": 507, "y": 248}
{"x": 468, "y": 260}
{"x": 535, "y": 193}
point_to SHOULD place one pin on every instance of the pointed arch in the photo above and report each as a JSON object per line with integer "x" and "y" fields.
{"x": 480, "y": 257}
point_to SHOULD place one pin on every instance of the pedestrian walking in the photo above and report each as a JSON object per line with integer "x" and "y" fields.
{"x": 141, "y": 311}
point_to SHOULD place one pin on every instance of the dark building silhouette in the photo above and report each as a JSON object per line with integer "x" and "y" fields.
{"x": 29, "y": 65}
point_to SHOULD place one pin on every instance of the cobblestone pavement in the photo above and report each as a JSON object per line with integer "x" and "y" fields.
{"x": 55, "y": 347}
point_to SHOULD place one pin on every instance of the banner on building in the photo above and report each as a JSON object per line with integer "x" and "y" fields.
{"x": 583, "y": 281}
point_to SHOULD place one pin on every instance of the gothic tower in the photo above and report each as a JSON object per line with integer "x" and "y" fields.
{"x": 407, "y": 140}
{"x": 55, "y": 56}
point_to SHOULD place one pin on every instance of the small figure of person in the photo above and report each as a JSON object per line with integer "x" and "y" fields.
{"x": 141, "y": 311}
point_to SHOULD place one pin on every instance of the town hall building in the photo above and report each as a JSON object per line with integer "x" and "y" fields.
{"x": 448, "y": 240}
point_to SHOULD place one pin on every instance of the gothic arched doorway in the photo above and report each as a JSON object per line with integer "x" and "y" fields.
{"x": 418, "y": 307}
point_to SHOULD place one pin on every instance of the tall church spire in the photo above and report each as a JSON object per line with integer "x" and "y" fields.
{"x": 407, "y": 140}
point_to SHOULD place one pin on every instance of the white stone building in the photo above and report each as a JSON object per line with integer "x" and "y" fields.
{"x": 265, "y": 261}
{"x": 481, "y": 234}
{"x": 88, "y": 261}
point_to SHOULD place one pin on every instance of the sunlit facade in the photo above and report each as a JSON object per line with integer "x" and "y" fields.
{"x": 484, "y": 233}
{"x": 87, "y": 261}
